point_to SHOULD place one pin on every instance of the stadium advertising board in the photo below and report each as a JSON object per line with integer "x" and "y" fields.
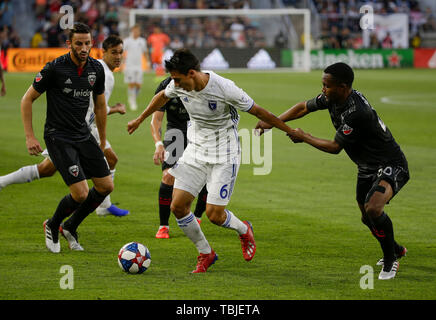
{"x": 251, "y": 58}
{"x": 425, "y": 58}
{"x": 359, "y": 58}
{"x": 34, "y": 59}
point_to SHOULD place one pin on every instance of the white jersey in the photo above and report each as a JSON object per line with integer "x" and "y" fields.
{"x": 135, "y": 48}
{"x": 109, "y": 82}
{"x": 213, "y": 128}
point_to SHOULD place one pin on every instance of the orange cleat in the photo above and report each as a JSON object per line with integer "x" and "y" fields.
{"x": 163, "y": 233}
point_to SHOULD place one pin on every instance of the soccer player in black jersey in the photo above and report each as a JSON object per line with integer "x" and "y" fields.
{"x": 68, "y": 82}
{"x": 382, "y": 166}
{"x": 168, "y": 152}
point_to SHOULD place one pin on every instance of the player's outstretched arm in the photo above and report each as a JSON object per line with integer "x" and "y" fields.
{"x": 269, "y": 118}
{"x": 32, "y": 144}
{"x": 156, "y": 133}
{"x": 100, "y": 118}
{"x": 155, "y": 104}
{"x": 295, "y": 112}
{"x": 329, "y": 146}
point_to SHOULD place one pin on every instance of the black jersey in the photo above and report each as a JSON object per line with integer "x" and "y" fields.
{"x": 359, "y": 130}
{"x": 69, "y": 90}
{"x": 177, "y": 116}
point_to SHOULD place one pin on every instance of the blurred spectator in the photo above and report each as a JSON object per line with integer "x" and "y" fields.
{"x": 38, "y": 39}
{"x": 387, "y": 42}
{"x": 6, "y": 14}
{"x": 281, "y": 41}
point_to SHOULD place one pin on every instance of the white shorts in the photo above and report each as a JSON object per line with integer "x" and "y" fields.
{"x": 219, "y": 179}
{"x": 133, "y": 76}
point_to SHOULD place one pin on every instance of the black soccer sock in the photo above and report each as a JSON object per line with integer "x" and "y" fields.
{"x": 383, "y": 230}
{"x": 366, "y": 221}
{"x": 65, "y": 207}
{"x": 86, "y": 207}
{"x": 165, "y": 196}
{"x": 200, "y": 207}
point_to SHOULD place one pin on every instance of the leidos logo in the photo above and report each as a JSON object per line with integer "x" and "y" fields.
{"x": 21, "y": 60}
{"x": 82, "y": 93}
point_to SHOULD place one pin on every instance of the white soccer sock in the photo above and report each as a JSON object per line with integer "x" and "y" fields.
{"x": 192, "y": 230}
{"x": 107, "y": 201}
{"x": 22, "y": 175}
{"x": 232, "y": 222}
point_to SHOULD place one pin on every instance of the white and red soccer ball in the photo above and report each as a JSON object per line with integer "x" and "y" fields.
{"x": 134, "y": 258}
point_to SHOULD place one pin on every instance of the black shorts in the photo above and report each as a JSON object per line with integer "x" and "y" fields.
{"x": 396, "y": 175}
{"x": 175, "y": 142}
{"x": 77, "y": 161}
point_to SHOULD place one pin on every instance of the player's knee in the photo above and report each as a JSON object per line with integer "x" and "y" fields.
{"x": 106, "y": 188}
{"x": 46, "y": 169}
{"x": 179, "y": 209}
{"x": 168, "y": 179}
{"x": 80, "y": 195}
{"x": 373, "y": 210}
{"x": 215, "y": 214}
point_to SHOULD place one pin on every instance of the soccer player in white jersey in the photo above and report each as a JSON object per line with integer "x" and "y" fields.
{"x": 112, "y": 57}
{"x": 135, "y": 46}
{"x": 212, "y": 156}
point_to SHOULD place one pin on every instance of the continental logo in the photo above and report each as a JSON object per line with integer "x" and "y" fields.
{"x": 33, "y": 60}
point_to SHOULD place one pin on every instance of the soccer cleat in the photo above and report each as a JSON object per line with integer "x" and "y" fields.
{"x": 389, "y": 271}
{"x": 204, "y": 261}
{"x": 163, "y": 233}
{"x": 403, "y": 253}
{"x": 113, "y": 210}
{"x": 51, "y": 239}
{"x": 72, "y": 239}
{"x": 247, "y": 242}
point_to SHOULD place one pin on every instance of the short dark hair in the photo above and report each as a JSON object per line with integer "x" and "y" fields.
{"x": 341, "y": 72}
{"x": 79, "y": 27}
{"x": 182, "y": 61}
{"x": 111, "y": 41}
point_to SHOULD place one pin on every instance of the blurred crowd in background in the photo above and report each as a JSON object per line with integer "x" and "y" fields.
{"x": 339, "y": 23}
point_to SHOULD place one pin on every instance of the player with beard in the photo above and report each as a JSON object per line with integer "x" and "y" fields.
{"x": 112, "y": 57}
{"x": 382, "y": 166}
{"x": 69, "y": 82}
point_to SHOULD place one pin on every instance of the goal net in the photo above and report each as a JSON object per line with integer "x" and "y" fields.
{"x": 229, "y": 39}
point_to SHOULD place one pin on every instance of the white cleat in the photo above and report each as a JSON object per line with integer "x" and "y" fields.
{"x": 389, "y": 272}
{"x": 71, "y": 237}
{"x": 101, "y": 212}
{"x": 51, "y": 239}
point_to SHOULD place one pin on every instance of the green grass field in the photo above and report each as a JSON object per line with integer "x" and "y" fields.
{"x": 310, "y": 241}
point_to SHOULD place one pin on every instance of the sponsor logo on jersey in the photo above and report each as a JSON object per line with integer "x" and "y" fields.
{"x": 74, "y": 170}
{"x": 346, "y": 129}
{"x": 67, "y": 90}
{"x": 68, "y": 81}
{"x": 82, "y": 93}
{"x": 38, "y": 77}
{"x": 212, "y": 104}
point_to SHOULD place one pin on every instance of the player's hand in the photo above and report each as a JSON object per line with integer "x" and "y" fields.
{"x": 120, "y": 108}
{"x": 261, "y": 126}
{"x": 159, "y": 155}
{"x": 33, "y": 146}
{"x": 133, "y": 125}
{"x": 297, "y": 135}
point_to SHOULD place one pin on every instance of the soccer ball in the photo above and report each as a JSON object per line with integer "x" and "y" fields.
{"x": 134, "y": 257}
